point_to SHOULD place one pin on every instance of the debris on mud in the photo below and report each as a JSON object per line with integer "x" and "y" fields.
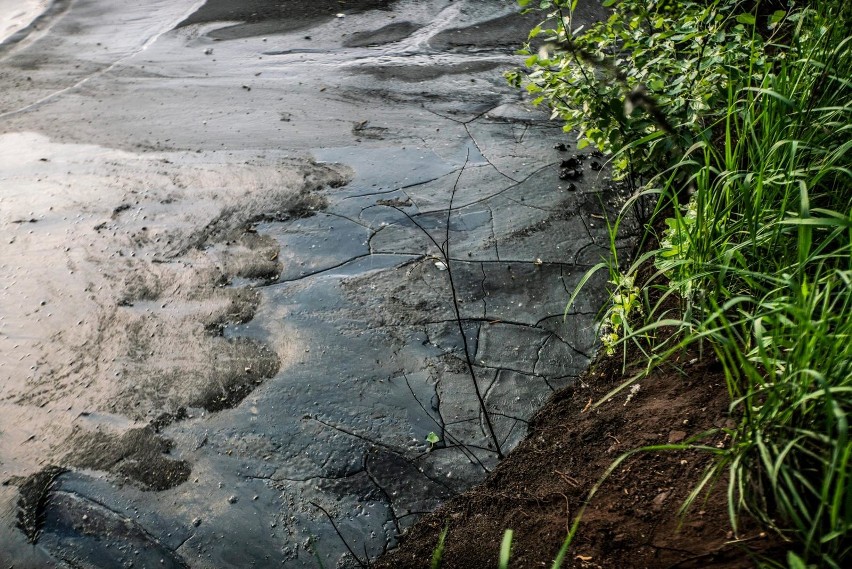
{"x": 33, "y": 492}
{"x": 139, "y": 456}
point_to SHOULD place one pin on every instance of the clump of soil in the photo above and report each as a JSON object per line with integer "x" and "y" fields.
{"x": 633, "y": 520}
{"x": 138, "y": 455}
{"x": 33, "y": 497}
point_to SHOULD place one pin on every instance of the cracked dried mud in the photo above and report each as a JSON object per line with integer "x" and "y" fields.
{"x": 223, "y": 297}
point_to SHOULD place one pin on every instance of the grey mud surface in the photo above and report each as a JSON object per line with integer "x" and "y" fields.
{"x": 224, "y": 322}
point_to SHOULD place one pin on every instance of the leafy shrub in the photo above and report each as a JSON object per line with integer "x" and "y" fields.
{"x": 650, "y": 80}
{"x": 736, "y": 117}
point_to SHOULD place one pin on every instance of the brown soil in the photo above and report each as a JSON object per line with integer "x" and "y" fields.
{"x": 633, "y": 520}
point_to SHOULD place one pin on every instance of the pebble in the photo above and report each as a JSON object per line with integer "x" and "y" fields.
{"x": 676, "y": 436}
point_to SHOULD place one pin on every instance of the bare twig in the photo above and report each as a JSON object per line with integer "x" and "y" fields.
{"x": 340, "y": 535}
{"x": 445, "y": 433}
{"x": 445, "y": 253}
{"x": 468, "y": 358}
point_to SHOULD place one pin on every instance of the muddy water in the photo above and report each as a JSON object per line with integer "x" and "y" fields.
{"x": 226, "y": 323}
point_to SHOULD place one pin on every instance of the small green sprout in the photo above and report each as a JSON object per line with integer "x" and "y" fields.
{"x": 432, "y": 438}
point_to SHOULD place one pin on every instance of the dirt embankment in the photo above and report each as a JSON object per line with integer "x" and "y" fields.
{"x": 634, "y": 519}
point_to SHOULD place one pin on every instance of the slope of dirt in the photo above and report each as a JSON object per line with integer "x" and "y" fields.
{"x": 633, "y": 520}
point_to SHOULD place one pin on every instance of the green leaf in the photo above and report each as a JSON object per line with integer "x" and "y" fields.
{"x": 746, "y": 19}
{"x": 506, "y": 549}
{"x": 777, "y": 16}
{"x": 794, "y": 561}
{"x": 438, "y": 552}
{"x": 432, "y": 438}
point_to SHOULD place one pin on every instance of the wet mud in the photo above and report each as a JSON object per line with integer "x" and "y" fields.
{"x": 227, "y": 312}
{"x": 258, "y": 17}
{"x": 137, "y": 456}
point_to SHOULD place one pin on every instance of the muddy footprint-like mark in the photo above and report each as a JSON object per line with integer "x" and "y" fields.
{"x": 48, "y": 510}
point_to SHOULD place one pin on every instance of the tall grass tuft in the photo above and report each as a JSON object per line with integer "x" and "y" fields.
{"x": 753, "y": 260}
{"x": 760, "y": 260}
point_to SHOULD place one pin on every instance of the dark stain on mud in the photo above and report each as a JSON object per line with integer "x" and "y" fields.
{"x": 86, "y": 533}
{"x": 267, "y": 17}
{"x": 140, "y": 456}
{"x": 306, "y": 206}
{"x": 234, "y": 385}
{"x": 244, "y": 301}
{"x": 33, "y": 499}
{"x": 384, "y": 35}
{"x": 498, "y": 33}
{"x": 263, "y": 265}
{"x": 414, "y": 74}
{"x": 233, "y": 221}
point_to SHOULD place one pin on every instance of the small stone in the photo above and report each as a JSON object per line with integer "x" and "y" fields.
{"x": 233, "y": 500}
{"x": 676, "y": 437}
{"x": 569, "y": 173}
{"x": 196, "y": 522}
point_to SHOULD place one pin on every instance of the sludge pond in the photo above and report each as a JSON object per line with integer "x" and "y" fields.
{"x": 226, "y": 318}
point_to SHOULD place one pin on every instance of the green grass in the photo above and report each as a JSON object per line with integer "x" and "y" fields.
{"x": 747, "y": 256}
{"x": 760, "y": 263}
{"x": 754, "y": 261}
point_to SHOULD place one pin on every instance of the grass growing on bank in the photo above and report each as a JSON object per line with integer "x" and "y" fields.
{"x": 735, "y": 118}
